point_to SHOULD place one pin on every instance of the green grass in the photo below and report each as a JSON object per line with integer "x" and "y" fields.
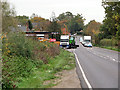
{"x": 109, "y": 47}
{"x": 64, "y": 61}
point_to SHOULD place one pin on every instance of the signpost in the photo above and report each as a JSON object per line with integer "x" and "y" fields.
{"x": 52, "y": 40}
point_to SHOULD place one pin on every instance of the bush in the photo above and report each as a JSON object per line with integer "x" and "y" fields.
{"x": 108, "y": 42}
{"x": 13, "y": 68}
{"x": 16, "y": 44}
{"x": 21, "y": 55}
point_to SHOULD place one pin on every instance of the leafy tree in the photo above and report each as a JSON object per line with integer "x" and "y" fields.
{"x": 8, "y": 17}
{"x": 40, "y": 23}
{"x": 73, "y": 22}
{"x": 61, "y": 17}
{"x": 76, "y": 23}
{"x": 65, "y": 16}
{"x": 92, "y": 29}
{"x": 22, "y": 19}
{"x": 33, "y": 15}
{"x": 118, "y": 33}
{"x": 111, "y": 23}
{"x": 30, "y": 26}
{"x": 54, "y": 25}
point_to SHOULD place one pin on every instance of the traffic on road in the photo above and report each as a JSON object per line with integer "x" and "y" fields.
{"x": 96, "y": 67}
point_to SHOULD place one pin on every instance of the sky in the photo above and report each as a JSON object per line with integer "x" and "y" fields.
{"x": 90, "y": 9}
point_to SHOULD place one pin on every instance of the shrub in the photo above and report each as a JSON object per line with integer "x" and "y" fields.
{"x": 13, "y": 68}
{"x": 21, "y": 55}
{"x": 16, "y": 44}
{"x": 108, "y": 42}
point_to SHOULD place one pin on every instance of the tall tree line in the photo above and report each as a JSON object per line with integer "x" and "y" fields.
{"x": 74, "y": 22}
{"x": 111, "y": 23}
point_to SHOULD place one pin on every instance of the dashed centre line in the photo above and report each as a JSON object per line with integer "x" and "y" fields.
{"x": 106, "y": 57}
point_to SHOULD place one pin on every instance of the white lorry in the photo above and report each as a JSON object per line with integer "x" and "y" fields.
{"x": 87, "y": 41}
{"x": 64, "y": 41}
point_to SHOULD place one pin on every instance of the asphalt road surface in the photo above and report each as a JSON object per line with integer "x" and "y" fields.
{"x": 100, "y": 66}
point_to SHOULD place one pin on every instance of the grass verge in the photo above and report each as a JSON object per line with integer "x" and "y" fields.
{"x": 115, "y": 48}
{"x": 64, "y": 61}
{"x": 111, "y": 48}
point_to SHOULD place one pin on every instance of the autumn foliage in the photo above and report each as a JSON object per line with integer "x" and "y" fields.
{"x": 40, "y": 24}
{"x": 92, "y": 29}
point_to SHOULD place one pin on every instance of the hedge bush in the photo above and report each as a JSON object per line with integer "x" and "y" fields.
{"x": 21, "y": 55}
{"x": 14, "y": 68}
{"x": 108, "y": 42}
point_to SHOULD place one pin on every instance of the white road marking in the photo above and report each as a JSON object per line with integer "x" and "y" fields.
{"x": 83, "y": 74}
{"x": 114, "y": 60}
{"x": 100, "y": 55}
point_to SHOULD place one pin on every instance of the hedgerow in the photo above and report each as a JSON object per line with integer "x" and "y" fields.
{"x": 108, "y": 42}
{"x": 21, "y": 55}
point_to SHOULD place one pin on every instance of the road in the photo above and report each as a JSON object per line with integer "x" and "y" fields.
{"x": 100, "y": 66}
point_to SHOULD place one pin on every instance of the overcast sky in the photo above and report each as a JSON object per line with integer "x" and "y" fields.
{"x": 90, "y": 9}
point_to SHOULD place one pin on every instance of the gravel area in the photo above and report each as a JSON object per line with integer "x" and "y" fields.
{"x": 69, "y": 79}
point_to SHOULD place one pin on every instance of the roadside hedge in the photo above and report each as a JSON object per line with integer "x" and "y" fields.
{"x": 21, "y": 55}
{"x": 108, "y": 42}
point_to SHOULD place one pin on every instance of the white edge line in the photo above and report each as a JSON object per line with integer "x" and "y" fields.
{"x": 85, "y": 78}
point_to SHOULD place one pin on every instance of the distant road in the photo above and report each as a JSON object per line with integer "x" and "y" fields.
{"x": 99, "y": 65}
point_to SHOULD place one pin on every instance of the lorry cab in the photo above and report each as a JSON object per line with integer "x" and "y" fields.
{"x": 64, "y": 41}
{"x": 72, "y": 41}
{"x": 87, "y": 41}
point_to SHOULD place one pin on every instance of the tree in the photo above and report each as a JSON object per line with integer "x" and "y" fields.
{"x": 61, "y": 17}
{"x": 65, "y": 16}
{"x": 8, "y": 17}
{"x": 22, "y": 19}
{"x": 33, "y": 15}
{"x": 74, "y": 22}
{"x": 30, "y": 26}
{"x": 54, "y": 25}
{"x": 111, "y": 23}
{"x": 92, "y": 29}
{"x": 40, "y": 23}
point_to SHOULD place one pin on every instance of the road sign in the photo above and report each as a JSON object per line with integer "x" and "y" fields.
{"x": 52, "y": 40}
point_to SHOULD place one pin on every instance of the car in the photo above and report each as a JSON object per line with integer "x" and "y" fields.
{"x": 88, "y": 44}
